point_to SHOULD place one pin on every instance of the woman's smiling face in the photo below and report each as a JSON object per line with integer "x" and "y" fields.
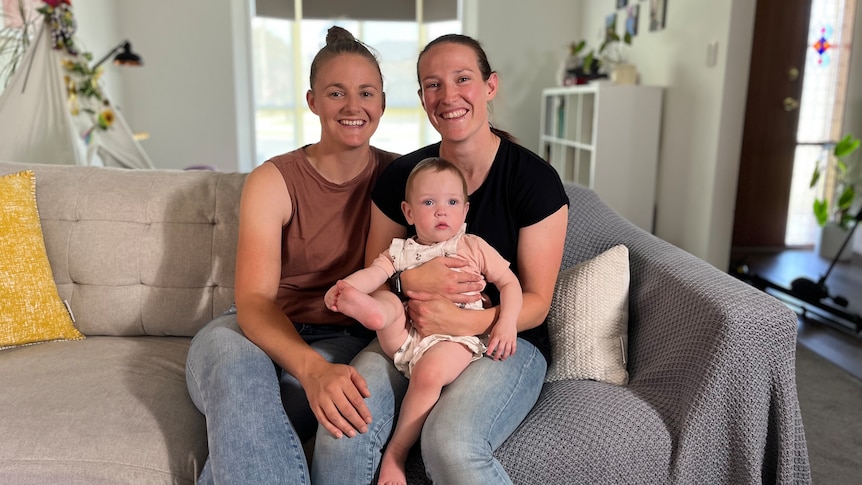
{"x": 452, "y": 90}
{"x": 348, "y": 98}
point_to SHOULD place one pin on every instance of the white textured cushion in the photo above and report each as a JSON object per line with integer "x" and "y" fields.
{"x": 588, "y": 320}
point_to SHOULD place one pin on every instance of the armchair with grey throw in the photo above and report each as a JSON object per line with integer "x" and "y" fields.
{"x": 705, "y": 393}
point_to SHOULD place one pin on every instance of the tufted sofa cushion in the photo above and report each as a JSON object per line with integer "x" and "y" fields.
{"x": 137, "y": 252}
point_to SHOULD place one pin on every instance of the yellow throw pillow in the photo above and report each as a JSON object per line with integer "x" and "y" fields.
{"x": 30, "y": 307}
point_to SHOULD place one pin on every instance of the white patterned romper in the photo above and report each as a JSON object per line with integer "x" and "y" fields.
{"x": 407, "y": 253}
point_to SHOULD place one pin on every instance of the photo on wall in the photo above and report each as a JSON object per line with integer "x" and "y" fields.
{"x": 632, "y": 20}
{"x": 657, "y": 10}
{"x": 622, "y": 3}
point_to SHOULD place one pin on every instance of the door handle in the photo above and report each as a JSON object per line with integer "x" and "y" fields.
{"x": 790, "y": 104}
{"x": 792, "y": 74}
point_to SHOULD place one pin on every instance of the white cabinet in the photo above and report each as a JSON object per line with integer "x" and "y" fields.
{"x": 606, "y": 137}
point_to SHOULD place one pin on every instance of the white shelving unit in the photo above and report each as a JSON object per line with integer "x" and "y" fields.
{"x": 606, "y": 137}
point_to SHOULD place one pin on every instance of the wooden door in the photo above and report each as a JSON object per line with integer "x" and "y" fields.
{"x": 771, "y": 118}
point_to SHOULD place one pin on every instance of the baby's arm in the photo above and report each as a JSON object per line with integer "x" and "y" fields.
{"x": 504, "y": 336}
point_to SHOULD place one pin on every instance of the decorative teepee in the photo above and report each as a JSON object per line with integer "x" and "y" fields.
{"x": 53, "y": 110}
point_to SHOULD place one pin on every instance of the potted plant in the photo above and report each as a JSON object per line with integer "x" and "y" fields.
{"x": 580, "y": 66}
{"x": 609, "y": 60}
{"x": 835, "y": 217}
{"x": 612, "y": 53}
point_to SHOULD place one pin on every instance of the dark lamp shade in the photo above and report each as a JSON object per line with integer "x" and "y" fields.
{"x": 127, "y": 58}
{"x": 124, "y": 57}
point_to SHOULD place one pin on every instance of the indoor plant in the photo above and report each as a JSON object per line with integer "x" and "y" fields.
{"x": 611, "y": 57}
{"x": 838, "y": 210}
{"x": 834, "y": 216}
{"x": 580, "y": 66}
{"x": 613, "y": 49}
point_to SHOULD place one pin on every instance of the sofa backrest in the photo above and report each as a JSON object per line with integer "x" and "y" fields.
{"x": 152, "y": 252}
{"x": 139, "y": 252}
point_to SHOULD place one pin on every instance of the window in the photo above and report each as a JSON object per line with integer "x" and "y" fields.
{"x": 283, "y": 46}
{"x": 824, "y": 88}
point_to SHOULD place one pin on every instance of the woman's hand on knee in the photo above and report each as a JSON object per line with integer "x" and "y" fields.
{"x": 336, "y": 394}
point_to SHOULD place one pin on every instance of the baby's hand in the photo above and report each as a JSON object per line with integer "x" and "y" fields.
{"x": 502, "y": 342}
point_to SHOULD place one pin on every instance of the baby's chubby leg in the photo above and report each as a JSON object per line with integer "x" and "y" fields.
{"x": 438, "y": 367}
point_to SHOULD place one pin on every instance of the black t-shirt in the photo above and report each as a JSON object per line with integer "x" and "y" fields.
{"x": 521, "y": 189}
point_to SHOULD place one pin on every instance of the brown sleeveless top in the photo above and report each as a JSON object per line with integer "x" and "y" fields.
{"x": 325, "y": 238}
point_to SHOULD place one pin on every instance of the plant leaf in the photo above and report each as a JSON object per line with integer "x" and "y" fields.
{"x": 815, "y": 177}
{"x": 846, "y": 146}
{"x": 575, "y": 48}
{"x": 588, "y": 62}
{"x": 821, "y": 211}
{"x": 847, "y": 197}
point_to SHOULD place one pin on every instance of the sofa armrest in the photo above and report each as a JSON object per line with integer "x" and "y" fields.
{"x": 716, "y": 357}
{"x": 712, "y": 357}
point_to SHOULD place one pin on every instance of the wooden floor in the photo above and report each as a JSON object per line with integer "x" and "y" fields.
{"x": 837, "y": 343}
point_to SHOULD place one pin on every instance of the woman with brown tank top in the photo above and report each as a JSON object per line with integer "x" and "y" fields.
{"x": 273, "y": 367}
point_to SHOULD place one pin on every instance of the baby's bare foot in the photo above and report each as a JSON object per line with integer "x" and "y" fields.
{"x": 364, "y": 308}
{"x": 392, "y": 470}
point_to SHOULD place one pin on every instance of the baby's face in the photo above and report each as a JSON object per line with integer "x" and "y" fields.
{"x": 437, "y": 206}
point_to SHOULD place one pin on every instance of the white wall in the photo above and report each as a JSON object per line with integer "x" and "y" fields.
{"x": 526, "y": 48}
{"x": 703, "y": 114}
{"x": 703, "y": 106}
{"x": 196, "y": 107}
{"x": 186, "y": 96}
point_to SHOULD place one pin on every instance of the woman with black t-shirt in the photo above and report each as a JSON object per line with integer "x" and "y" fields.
{"x": 519, "y": 206}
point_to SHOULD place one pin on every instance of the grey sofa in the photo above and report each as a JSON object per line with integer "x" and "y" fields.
{"x": 146, "y": 258}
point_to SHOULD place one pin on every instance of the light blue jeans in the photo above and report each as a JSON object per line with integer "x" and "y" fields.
{"x": 257, "y": 415}
{"x": 473, "y": 417}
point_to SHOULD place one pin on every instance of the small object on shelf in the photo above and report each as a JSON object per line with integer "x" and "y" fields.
{"x": 624, "y": 74}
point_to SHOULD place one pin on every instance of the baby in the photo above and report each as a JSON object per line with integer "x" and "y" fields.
{"x": 437, "y": 206}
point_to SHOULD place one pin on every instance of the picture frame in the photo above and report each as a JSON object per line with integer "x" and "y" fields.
{"x": 632, "y": 17}
{"x": 622, "y": 3}
{"x": 657, "y": 13}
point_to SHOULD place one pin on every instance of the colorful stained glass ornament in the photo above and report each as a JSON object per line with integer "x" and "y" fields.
{"x": 822, "y": 46}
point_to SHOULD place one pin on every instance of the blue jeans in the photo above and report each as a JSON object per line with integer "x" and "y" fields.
{"x": 473, "y": 417}
{"x": 257, "y": 415}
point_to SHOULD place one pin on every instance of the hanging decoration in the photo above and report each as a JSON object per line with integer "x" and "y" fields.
{"x": 822, "y": 46}
{"x": 59, "y": 18}
{"x": 83, "y": 92}
{"x": 53, "y": 108}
